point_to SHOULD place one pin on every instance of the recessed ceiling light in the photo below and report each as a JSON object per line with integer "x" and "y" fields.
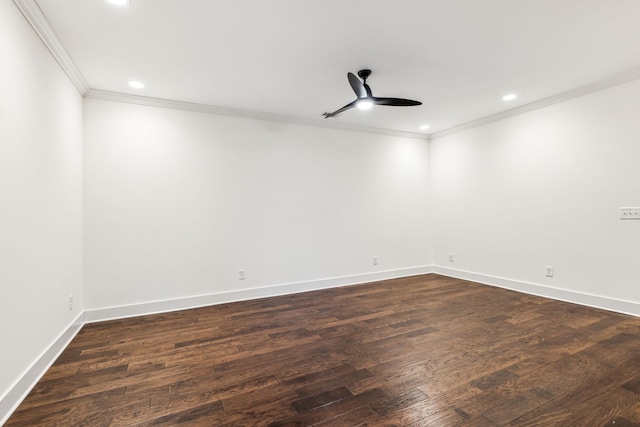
{"x": 120, "y": 2}
{"x": 509, "y": 97}
{"x": 364, "y": 104}
{"x": 424, "y": 127}
{"x": 136, "y": 84}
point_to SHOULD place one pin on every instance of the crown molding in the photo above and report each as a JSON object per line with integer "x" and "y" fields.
{"x": 246, "y": 114}
{"x": 38, "y": 21}
{"x": 616, "y": 80}
{"x": 33, "y": 14}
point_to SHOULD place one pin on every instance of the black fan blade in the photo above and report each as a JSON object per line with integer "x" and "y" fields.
{"x": 345, "y": 108}
{"x": 368, "y": 90}
{"x": 396, "y": 102}
{"x": 357, "y": 85}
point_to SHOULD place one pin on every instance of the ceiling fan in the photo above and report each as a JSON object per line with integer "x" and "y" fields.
{"x": 365, "y": 99}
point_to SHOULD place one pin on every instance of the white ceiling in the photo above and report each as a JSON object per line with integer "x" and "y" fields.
{"x": 291, "y": 57}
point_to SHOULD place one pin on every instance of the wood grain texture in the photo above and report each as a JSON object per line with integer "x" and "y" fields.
{"x": 420, "y": 351}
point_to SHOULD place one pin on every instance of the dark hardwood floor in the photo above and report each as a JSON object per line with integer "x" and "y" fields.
{"x": 419, "y": 351}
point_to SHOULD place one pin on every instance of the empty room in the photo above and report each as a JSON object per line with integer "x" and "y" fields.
{"x": 327, "y": 213}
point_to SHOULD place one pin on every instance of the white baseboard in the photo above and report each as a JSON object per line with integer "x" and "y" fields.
{"x": 596, "y": 301}
{"x": 110, "y": 313}
{"x": 10, "y": 402}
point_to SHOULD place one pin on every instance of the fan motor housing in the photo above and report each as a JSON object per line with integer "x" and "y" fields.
{"x": 363, "y": 74}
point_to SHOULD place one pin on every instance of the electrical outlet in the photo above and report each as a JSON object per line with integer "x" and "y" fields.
{"x": 450, "y": 257}
{"x": 241, "y": 274}
{"x": 629, "y": 213}
{"x": 375, "y": 260}
{"x": 70, "y": 302}
{"x": 548, "y": 271}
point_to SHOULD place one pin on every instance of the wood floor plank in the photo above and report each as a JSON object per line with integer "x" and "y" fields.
{"x": 561, "y": 407}
{"x": 632, "y": 414}
{"x": 325, "y": 398}
{"x": 348, "y": 379}
{"x": 417, "y": 351}
{"x": 515, "y": 407}
{"x": 548, "y": 414}
{"x": 332, "y": 411}
{"x": 602, "y": 409}
{"x": 622, "y": 422}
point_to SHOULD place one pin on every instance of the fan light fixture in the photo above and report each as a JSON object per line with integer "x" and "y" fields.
{"x": 364, "y": 104}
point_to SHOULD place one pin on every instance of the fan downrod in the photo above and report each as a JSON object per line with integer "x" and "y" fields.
{"x": 364, "y": 74}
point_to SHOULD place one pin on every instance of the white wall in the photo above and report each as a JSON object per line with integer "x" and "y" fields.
{"x": 40, "y": 199}
{"x": 176, "y": 202}
{"x": 544, "y": 188}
